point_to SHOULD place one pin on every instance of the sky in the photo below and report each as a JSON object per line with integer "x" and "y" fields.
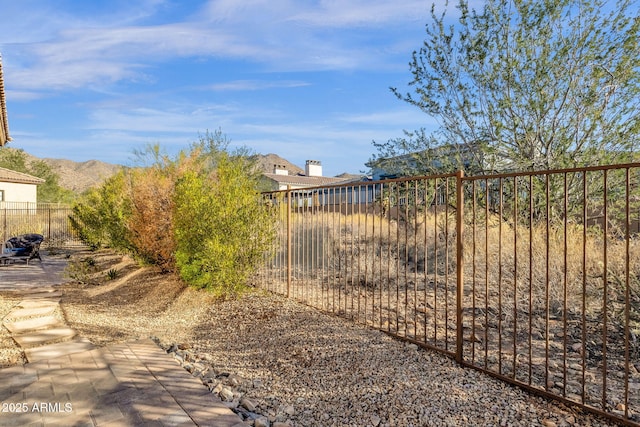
{"x": 304, "y": 79}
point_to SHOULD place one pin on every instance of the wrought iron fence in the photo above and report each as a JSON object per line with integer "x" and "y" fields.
{"x": 50, "y": 220}
{"x": 533, "y": 278}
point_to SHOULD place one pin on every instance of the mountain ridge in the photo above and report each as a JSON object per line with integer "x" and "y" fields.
{"x": 80, "y": 176}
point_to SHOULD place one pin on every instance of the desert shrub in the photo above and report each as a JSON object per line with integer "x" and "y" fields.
{"x": 199, "y": 214}
{"x": 81, "y": 270}
{"x": 112, "y": 274}
{"x": 101, "y": 216}
{"x": 222, "y": 226}
{"x": 151, "y": 190}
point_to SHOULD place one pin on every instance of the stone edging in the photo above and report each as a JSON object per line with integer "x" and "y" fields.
{"x": 233, "y": 390}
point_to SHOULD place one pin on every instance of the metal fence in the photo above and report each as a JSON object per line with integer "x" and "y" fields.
{"x": 532, "y": 278}
{"x": 50, "y": 220}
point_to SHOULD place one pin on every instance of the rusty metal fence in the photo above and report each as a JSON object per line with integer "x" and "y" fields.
{"x": 50, "y": 220}
{"x": 533, "y": 278}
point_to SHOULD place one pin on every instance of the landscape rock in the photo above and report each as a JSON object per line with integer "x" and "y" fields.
{"x": 278, "y": 385}
{"x": 248, "y": 404}
{"x": 226, "y": 394}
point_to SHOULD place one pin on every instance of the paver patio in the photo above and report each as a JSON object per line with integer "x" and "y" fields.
{"x": 70, "y": 383}
{"x": 128, "y": 384}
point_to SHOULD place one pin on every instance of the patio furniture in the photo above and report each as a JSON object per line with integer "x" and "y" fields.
{"x": 24, "y": 247}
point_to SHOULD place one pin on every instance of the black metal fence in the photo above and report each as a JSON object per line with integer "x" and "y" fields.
{"x": 50, "y": 220}
{"x": 532, "y": 278}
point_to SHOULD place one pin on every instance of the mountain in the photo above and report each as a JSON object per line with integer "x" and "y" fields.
{"x": 77, "y": 176}
{"x": 266, "y": 162}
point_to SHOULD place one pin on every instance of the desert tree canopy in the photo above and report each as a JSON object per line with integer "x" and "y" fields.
{"x": 527, "y": 84}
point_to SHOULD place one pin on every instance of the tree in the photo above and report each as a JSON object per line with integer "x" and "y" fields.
{"x": 528, "y": 85}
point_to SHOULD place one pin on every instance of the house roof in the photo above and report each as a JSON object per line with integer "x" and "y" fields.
{"x": 306, "y": 181}
{"x": 7, "y": 175}
{"x": 4, "y": 122}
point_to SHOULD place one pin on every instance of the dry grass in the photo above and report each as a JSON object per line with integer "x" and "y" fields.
{"x": 536, "y": 298}
{"x": 559, "y": 268}
{"x": 378, "y": 269}
{"x": 554, "y": 268}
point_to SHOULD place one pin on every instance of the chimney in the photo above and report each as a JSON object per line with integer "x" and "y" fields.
{"x": 280, "y": 170}
{"x": 313, "y": 168}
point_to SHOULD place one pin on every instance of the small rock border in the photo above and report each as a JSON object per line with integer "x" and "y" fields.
{"x": 233, "y": 390}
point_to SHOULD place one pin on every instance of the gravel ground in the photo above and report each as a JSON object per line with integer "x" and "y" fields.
{"x": 294, "y": 364}
{"x": 10, "y": 353}
{"x": 319, "y": 370}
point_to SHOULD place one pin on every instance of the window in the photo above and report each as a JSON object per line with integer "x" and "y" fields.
{"x": 1, "y": 195}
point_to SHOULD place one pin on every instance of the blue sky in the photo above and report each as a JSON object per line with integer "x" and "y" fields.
{"x": 300, "y": 78}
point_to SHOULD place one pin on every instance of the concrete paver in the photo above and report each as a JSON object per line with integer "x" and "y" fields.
{"x": 36, "y": 295}
{"x": 149, "y": 387}
{"x": 34, "y": 324}
{"x": 71, "y": 383}
{"x": 52, "y": 351}
{"x": 33, "y": 311}
{"x": 44, "y": 336}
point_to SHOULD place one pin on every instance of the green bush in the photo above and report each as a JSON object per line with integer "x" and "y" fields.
{"x": 200, "y": 215}
{"x": 222, "y": 227}
{"x": 101, "y": 215}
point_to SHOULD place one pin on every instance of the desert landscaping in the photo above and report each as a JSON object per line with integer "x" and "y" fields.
{"x": 276, "y": 361}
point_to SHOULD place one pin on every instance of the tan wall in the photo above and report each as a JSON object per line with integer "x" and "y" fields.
{"x": 14, "y": 192}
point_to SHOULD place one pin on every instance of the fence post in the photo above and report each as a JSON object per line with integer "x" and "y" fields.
{"x": 459, "y": 264}
{"x": 49, "y": 224}
{"x": 289, "y": 205}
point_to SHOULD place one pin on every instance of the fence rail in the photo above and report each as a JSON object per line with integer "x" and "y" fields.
{"x": 50, "y": 220}
{"x": 533, "y": 278}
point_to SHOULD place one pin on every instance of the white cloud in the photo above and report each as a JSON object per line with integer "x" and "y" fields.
{"x": 68, "y": 51}
{"x": 249, "y": 85}
{"x": 347, "y": 13}
{"x": 318, "y": 14}
{"x": 22, "y": 95}
{"x": 401, "y": 117}
{"x": 155, "y": 121}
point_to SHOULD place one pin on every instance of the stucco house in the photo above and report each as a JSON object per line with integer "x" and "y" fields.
{"x": 4, "y": 123}
{"x": 311, "y": 189}
{"x": 18, "y": 189}
{"x": 281, "y": 178}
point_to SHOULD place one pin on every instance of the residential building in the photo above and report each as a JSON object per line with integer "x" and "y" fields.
{"x": 434, "y": 160}
{"x": 312, "y": 189}
{"x": 280, "y": 179}
{"x": 18, "y": 189}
